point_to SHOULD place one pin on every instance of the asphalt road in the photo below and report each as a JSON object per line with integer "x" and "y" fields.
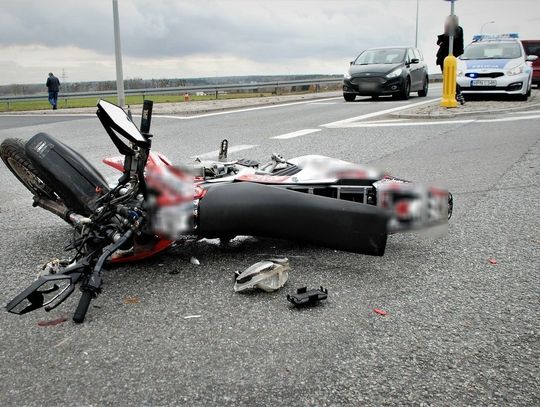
{"x": 459, "y": 330}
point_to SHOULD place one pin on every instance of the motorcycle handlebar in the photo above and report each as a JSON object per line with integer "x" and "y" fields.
{"x": 91, "y": 288}
{"x": 82, "y": 308}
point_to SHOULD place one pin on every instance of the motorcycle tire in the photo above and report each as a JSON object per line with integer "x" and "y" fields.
{"x": 13, "y": 155}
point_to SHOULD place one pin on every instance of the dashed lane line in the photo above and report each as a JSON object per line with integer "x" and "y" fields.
{"x": 340, "y": 123}
{"x": 296, "y": 134}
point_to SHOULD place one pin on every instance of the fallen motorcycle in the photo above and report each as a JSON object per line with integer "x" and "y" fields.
{"x": 155, "y": 205}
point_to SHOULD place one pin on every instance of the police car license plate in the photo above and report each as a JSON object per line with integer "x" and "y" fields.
{"x": 483, "y": 83}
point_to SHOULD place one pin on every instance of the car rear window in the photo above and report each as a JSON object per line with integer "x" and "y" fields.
{"x": 532, "y": 48}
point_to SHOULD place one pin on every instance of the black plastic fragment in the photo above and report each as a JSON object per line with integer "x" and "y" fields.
{"x": 304, "y": 296}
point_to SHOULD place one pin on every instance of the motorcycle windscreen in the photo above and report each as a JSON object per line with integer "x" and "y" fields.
{"x": 267, "y": 211}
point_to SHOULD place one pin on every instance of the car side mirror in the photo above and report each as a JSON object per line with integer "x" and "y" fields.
{"x": 352, "y": 62}
{"x": 532, "y": 58}
{"x": 415, "y": 61}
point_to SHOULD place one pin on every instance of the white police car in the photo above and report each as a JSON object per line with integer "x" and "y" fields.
{"x": 495, "y": 64}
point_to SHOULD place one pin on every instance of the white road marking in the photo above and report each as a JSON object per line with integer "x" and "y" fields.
{"x": 248, "y": 109}
{"x": 436, "y": 122}
{"x": 430, "y": 123}
{"x": 296, "y": 134}
{"x": 525, "y": 112}
{"x": 232, "y": 149}
{"x": 197, "y": 116}
{"x": 48, "y": 115}
{"x": 341, "y": 123}
{"x": 509, "y": 119}
{"x": 386, "y": 121}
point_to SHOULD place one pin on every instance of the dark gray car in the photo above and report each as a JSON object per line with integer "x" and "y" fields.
{"x": 395, "y": 71}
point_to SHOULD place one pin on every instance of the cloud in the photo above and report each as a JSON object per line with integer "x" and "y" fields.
{"x": 200, "y": 37}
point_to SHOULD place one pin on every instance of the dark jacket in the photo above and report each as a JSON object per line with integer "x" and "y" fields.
{"x": 443, "y": 41}
{"x": 53, "y": 84}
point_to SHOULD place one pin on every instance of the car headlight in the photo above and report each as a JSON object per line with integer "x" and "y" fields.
{"x": 516, "y": 70}
{"x": 346, "y": 75}
{"x": 395, "y": 73}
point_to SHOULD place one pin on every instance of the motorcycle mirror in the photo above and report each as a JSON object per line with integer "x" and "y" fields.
{"x": 117, "y": 123}
{"x": 42, "y": 293}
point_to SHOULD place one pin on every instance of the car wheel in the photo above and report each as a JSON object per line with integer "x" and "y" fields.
{"x": 529, "y": 91}
{"x": 405, "y": 92}
{"x": 349, "y": 97}
{"x": 424, "y": 91}
{"x": 523, "y": 98}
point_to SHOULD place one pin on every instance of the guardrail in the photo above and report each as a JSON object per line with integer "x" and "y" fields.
{"x": 208, "y": 89}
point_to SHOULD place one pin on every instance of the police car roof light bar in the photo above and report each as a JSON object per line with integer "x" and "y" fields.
{"x": 488, "y": 37}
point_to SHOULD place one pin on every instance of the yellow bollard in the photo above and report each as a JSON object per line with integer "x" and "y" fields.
{"x": 449, "y": 82}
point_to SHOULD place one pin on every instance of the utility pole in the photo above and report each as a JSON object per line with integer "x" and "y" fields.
{"x": 483, "y": 25}
{"x": 416, "y": 35}
{"x": 118, "y": 54}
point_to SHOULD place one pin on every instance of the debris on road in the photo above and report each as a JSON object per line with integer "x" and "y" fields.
{"x": 52, "y": 322}
{"x": 267, "y": 275}
{"x": 492, "y": 261}
{"x": 304, "y": 296}
{"x": 380, "y": 312}
{"x": 194, "y": 261}
{"x": 131, "y": 300}
{"x": 192, "y": 316}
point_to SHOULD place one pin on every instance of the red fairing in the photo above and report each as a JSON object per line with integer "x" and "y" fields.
{"x": 142, "y": 252}
{"x": 264, "y": 179}
{"x": 154, "y": 160}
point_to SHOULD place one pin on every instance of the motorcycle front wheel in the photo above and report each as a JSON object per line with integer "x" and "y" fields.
{"x": 14, "y": 156}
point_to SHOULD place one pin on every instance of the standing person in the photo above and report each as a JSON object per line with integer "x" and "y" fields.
{"x": 53, "y": 84}
{"x": 443, "y": 40}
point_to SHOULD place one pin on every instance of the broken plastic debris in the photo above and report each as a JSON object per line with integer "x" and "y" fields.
{"x": 380, "y": 312}
{"x": 192, "y": 316}
{"x": 304, "y": 296}
{"x": 52, "y": 322}
{"x": 52, "y": 267}
{"x": 194, "y": 261}
{"x": 268, "y": 275}
{"x": 492, "y": 261}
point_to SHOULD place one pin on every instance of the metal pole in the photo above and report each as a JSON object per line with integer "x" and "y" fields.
{"x": 452, "y": 30}
{"x": 483, "y": 25}
{"x": 118, "y": 54}
{"x": 416, "y": 35}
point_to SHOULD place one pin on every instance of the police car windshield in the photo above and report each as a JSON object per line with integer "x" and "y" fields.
{"x": 381, "y": 56}
{"x": 492, "y": 50}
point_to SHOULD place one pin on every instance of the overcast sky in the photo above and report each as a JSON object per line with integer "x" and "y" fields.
{"x": 192, "y": 38}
